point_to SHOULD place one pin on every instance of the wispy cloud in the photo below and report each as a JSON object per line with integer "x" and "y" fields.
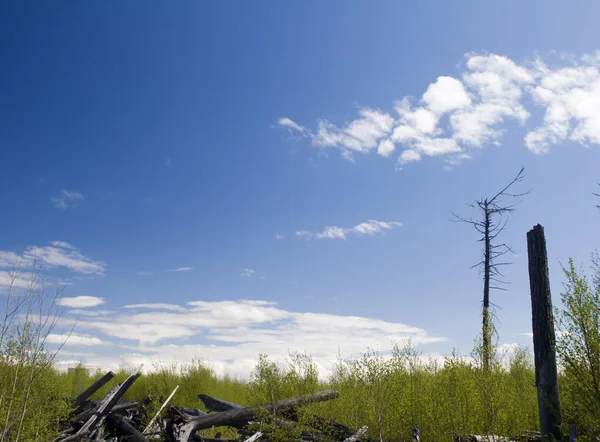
{"x": 58, "y": 254}
{"x": 83, "y": 312}
{"x": 233, "y": 333}
{"x": 72, "y": 340}
{"x": 279, "y": 236}
{"x": 369, "y": 228}
{"x": 81, "y": 301}
{"x": 181, "y": 269}
{"x": 247, "y": 272}
{"x": 66, "y": 199}
{"x": 155, "y": 306}
{"x": 456, "y": 116}
{"x": 286, "y": 122}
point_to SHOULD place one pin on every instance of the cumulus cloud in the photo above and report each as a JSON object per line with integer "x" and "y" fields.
{"x": 458, "y": 114}
{"x": 371, "y": 227}
{"x": 81, "y": 301}
{"x": 231, "y": 334}
{"x": 66, "y": 199}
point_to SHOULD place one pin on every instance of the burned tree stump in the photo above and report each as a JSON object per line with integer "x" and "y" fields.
{"x": 544, "y": 340}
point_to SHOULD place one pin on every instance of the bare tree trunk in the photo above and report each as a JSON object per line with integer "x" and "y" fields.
{"x": 486, "y": 328}
{"x": 544, "y": 341}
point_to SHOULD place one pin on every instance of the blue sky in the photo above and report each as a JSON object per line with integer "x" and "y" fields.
{"x": 142, "y": 138}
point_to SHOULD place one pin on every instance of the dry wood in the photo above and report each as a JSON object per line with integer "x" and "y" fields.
{"x": 160, "y": 409}
{"x": 255, "y": 437}
{"x": 358, "y": 435}
{"x": 79, "y": 400}
{"x": 325, "y": 425}
{"x": 125, "y": 426}
{"x": 105, "y": 407}
{"x": 247, "y": 413}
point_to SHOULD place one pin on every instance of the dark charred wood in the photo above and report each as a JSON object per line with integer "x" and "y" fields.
{"x": 214, "y": 404}
{"x": 97, "y": 385}
{"x": 544, "y": 340}
{"x": 124, "y": 426}
{"x": 119, "y": 408}
{"x": 100, "y": 413}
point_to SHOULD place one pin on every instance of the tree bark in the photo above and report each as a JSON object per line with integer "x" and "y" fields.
{"x": 544, "y": 340}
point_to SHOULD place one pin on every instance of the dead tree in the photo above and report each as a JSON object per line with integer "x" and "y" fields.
{"x": 544, "y": 340}
{"x": 494, "y": 213}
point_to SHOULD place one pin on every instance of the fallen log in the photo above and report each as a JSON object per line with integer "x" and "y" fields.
{"x": 215, "y": 404}
{"x": 220, "y": 405}
{"x": 247, "y": 413}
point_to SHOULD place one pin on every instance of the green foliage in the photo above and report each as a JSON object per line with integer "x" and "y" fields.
{"x": 578, "y": 347}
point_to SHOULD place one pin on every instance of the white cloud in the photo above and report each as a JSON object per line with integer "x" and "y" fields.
{"x": 62, "y": 244}
{"x": 233, "y": 333}
{"x": 247, "y": 272}
{"x": 81, "y": 301}
{"x": 455, "y": 115}
{"x": 23, "y": 270}
{"x": 181, "y": 269}
{"x": 72, "y": 340}
{"x": 571, "y": 97}
{"x": 371, "y": 227}
{"x": 60, "y": 256}
{"x": 286, "y": 122}
{"x": 81, "y": 312}
{"x": 12, "y": 279}
{"x": 445, "y": 95}
{"x": 155, "y": 306}
{"x": 408, "y": 156}
{"x": 360, "y": 135}
{"x": 66, "y": 199}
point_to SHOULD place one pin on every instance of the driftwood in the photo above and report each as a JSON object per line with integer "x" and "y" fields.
{"x": 247, "y": 413}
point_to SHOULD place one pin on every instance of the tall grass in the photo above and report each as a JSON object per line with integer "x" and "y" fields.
{"x": 389, "y": 393}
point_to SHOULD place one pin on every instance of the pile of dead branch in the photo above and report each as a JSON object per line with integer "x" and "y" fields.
{"x": 112, "y": 419}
